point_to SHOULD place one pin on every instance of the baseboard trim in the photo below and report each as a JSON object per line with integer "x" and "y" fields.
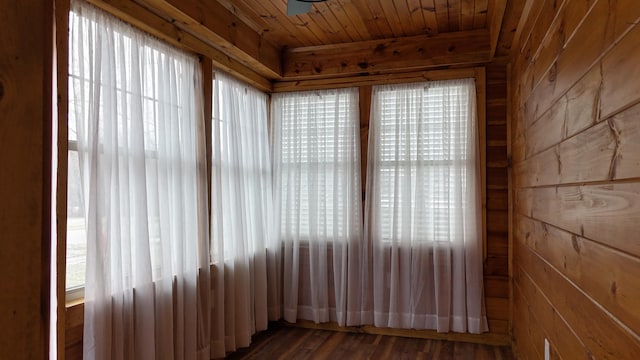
{"x": 485, "y": 338}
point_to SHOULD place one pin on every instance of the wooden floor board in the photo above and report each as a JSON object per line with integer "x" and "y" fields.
{"x": 285, "y": 342}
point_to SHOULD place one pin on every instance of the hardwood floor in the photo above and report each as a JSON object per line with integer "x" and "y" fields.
{"x": 284, "y": 342}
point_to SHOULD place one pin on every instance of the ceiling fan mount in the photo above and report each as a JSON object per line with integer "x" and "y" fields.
{"x": 296, "y": 7}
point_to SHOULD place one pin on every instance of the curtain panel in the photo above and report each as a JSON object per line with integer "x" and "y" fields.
{"x": 241, "y": 215}
{"x": 317, "y": 202}
{"x": 423, "y": 208}
{"x": 135, "y": 111}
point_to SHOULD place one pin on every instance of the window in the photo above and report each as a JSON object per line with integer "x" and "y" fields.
{"x": 241, "y": 213}
{"x": 424, "y": 141}
{"x": 318, "y": 199}
{"x": 115, "y": 92}
{"x": 317, "y": 162}
{"x": 424, "y": 214}
{"x": 241, "y": 171}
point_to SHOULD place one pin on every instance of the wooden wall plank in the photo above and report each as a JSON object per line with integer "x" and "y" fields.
{"x": 26, "y": 86}
{"x": 497, "y": 200}
{"x": 576, "y": 176}
{"x": 572, "y": 113}
{"x": 62, "y": 39}
{"x": 607, "y": 275}
{"x": 510, "y": 22}
{"x": 617, "y": 91}
{"x": 591, "y": 40}
{"x": 528, "y": 327}
{"x": 608, "y": 214}
{"x": 496, "y": 243}
{"x": 535, "y": 28}
{"x": 497, "y": 287}
{"x": 606, "y": 151}
{"x": 583, "y": 103}
{"x": 530, "y": 12}
{"x": 74, "y": 331}
{"x": 530, "y": 298}
{"x": 497, "y": 308}
{"x": 608, "y": 340}
{"x": 495, "y": 15}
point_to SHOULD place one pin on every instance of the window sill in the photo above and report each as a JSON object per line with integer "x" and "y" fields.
{"x": 73, "y": 303}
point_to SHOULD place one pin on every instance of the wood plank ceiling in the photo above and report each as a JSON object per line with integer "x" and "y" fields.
{"x": 345, "y": 21}
{"x": 338, "y": 38}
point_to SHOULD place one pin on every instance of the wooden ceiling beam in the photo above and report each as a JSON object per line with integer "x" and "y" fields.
{"x": 378, "y": 56}
{"x": 378, "y": 79}
{"x": 495, "y": 16}
{"x": 148, "y": 21}
{"x": 214, "y": 24}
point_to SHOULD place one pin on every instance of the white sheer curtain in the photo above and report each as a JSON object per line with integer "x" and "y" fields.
{"x": 423, "y": 207}
{"x": 136, "y": 109}
{"x": 241, "y": 217}
{"x": 317, "y": 197}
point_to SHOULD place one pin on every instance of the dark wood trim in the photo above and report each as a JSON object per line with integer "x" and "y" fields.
{"x": 62, "y": 59}
{"x": 485, "y": 338}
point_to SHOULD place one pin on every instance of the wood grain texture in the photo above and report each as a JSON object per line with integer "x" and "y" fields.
{"x": 511, "y": 19}
{"x": 212, "y": 23}
{"x": 345, "y": 21}
{"x": 609, "y": 276}
{"x": 295, "y": 342}
{"x": 74, "y": 329}
{"x": 26, "y": 66}
{"x": 392, "y": 54}
{"x": 576, "y": 169}
{"x": 608, "y": 340}
{"x": 601, "y": 28}
{"x": 62, "y": 40}
{"x": 495, "y": 13}
{"x": 608, "y": 150}
{"x": 262, "y": 38}
{"x": 536, "y": 314}
{"x": 608, "y": 214}
{"x": 369, "y": 80}
{"x": 164, "y": 29}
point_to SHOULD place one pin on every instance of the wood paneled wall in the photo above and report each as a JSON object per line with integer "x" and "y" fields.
{"x": 496, "y": 268}
{"x": 74, "y": 328}
{"x": 576, "y": 169}
{"x": 26, "y": 65}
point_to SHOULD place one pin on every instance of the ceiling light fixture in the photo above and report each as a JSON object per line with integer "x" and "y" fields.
{"x": 297, "y": 7}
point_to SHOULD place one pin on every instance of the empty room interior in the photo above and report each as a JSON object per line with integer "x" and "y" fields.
{"x": 328, "y": 179}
